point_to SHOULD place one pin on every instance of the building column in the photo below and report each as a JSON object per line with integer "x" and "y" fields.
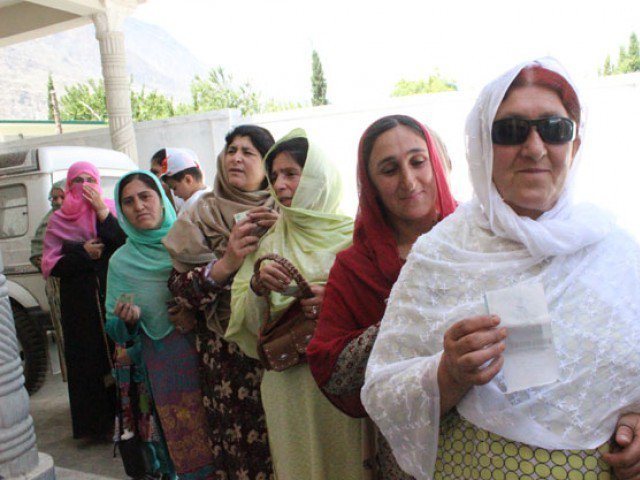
{"x": 116, "y": 79}
{"x": 19, "y": 456}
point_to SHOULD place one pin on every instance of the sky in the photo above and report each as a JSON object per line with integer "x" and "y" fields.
{"x": 367, "y": 46}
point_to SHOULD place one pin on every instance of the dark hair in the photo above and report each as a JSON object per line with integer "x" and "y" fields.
{"x": 296, "y": 147}
{"x": 159, "y": 156}
{"x": 384, "y": 124}
{"x": 195, "y": 172}
{"x": 143, "y": 177}
{"x": 261, "y": 138}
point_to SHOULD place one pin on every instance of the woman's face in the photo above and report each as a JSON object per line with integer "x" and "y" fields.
{"x": 84, "y": 178}
{"x": 285, "y": 177}
{"x": 243, "y": 164}
{"x": 401, "y": 172}
{"x": 56, "y": 198}
{"x": 530, "y": 177}
{"x": 141, "y": 206}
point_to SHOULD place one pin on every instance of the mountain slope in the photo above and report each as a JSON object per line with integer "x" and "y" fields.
{"x": 154, "y": 59}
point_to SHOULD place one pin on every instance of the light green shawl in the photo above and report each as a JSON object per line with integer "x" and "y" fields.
{"x": 310, "y": 233}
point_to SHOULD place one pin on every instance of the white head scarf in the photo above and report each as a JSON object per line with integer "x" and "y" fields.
{"x": 591, "y": 276}
{"x": 565, "y": 228}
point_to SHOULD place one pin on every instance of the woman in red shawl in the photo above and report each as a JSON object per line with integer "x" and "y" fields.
{"x": 79, "y": 240}
{"x": 403, "y": 193}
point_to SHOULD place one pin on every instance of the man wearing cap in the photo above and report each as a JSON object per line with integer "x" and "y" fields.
{"x": 181, "y": 171}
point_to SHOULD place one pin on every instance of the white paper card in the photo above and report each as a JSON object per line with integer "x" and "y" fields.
{"x": 530, "y": 358}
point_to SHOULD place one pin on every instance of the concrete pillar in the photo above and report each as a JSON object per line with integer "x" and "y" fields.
{"x": 19, "y": 456}
{"x": 116, "y": 79}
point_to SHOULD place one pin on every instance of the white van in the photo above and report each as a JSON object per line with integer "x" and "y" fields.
{"x": 26, "y": 178}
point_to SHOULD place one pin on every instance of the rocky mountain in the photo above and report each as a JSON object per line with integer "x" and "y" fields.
{"x": 154, "y": 59}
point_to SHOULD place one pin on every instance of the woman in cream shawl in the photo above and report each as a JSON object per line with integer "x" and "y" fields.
{"x": 207, "y": 246}
{"x": 310, "y": 439}
{"x": 447, "y": 413}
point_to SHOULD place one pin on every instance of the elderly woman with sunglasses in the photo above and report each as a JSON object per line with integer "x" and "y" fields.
{"x": 439, "y": 378}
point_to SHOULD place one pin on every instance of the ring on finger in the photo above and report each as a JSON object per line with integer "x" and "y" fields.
{"x": 314, "y": 310}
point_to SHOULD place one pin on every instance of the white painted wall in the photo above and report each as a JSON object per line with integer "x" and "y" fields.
{"x": 609, "y": 174}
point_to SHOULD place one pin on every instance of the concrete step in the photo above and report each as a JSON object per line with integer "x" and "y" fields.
{"x": 66, "y": 474}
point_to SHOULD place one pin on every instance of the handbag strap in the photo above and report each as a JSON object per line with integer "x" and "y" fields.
{"x": 102, "y": 326}
{"x": 292, "y": 271}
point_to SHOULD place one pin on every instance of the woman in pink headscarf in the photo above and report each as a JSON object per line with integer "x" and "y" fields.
{"x": 80, "y": 238}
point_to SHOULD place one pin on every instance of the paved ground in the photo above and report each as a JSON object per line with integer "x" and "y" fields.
{"x": 74, "y": 459}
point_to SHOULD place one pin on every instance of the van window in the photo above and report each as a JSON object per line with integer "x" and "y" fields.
{"x": 108, "y": 186}
{"x": 14, "y": 220}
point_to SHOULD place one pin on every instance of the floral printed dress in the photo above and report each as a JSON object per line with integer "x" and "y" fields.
{"x": 230, "y": 388}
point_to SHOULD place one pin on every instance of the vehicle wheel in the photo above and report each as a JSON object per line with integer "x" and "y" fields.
{"x": 32, "y": 341}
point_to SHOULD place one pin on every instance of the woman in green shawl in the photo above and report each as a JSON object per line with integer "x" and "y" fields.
{"x": 137, "y": 311}
{"x": 309, "y": 438}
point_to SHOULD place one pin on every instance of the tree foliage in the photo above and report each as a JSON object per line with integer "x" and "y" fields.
{"x": 50, "y": 88}
{"x": 628, "y": 59}
{"x": 218, "y": 91}
{"x": 435, "y": 83}
{"x": 150, "y": 106}
{"x": 84, "y": 101}
{"x": 88, "y": 101}
{"x": 318, "y": 82}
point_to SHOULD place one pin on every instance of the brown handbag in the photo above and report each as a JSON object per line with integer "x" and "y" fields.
{"x": 282, "y": 343}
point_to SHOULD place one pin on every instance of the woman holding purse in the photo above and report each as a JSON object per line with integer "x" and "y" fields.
{"x": 309, "y": 438}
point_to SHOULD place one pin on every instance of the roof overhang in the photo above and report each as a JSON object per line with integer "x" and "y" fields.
{"x": 26, "y": 20}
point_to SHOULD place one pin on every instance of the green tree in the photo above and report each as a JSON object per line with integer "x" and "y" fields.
{"x": 88, "y": 101}
{"x": 435, "y": 83}
{"x": 272, "y": 105}
{"x": 84, "y": 101}
{"x": 150, "y": 106}
{"x": 628, "y": 59}
{"x": 50, "y": 88}
{"x": 608, "y": 67}
{"x": 633, "y": 54}
{"x": 318, "y": 82}
{"x": 218, "y": 91}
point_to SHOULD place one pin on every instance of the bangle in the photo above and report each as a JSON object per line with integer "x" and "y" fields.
{"x": 209, "y": 282}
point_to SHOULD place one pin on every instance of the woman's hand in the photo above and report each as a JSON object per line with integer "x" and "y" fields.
{"x": 94, "y": 248}
{"x": 311, "y": 306}
{"x": 625, "y": 461}
{"x": 468, "y": 345}
{"x": 122, "y": 357}
{"x": 95, "y": 200}
{"x": 241, "y": 243}
{"x": 182, "y": 317}
{"x": 127, "y": 312}
{"x": 273, "y": 277}
{"x": 263, "y": 218}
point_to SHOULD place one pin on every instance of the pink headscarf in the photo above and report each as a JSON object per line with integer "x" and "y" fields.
{"x": 75, "y": 221}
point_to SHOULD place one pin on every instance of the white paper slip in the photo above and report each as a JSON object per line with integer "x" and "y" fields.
{"x": 238, "y": 217}
{"x": 530, "y": 358}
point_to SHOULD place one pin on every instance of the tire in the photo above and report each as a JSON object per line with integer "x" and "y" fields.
{"x": 33, "y": 344}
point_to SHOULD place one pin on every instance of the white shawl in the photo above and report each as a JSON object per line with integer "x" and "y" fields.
{"x": 591, "y": 276}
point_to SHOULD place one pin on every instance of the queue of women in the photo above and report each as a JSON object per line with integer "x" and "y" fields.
{"x": 403, "y": 376}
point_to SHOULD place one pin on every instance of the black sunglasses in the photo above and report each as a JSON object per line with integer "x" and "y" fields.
{"x": 515, "y": 131}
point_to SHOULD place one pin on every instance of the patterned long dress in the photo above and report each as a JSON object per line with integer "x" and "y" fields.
{"x": 230, "y": 383}
{"x": 347, "y": 377}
